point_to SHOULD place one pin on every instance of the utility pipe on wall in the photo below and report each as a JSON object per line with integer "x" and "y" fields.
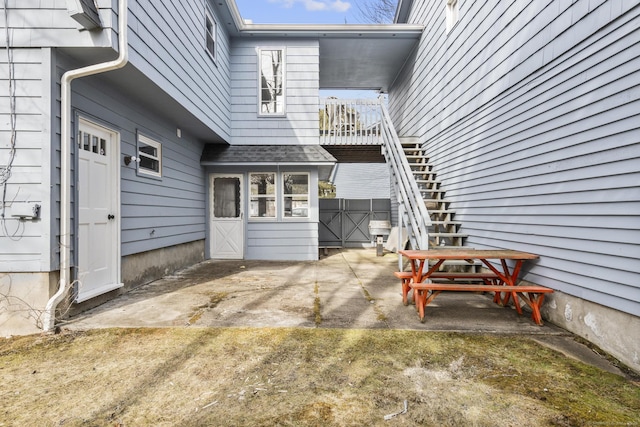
{"x": 48, "y": 322}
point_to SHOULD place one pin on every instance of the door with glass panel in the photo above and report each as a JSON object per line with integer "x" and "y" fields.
{"x": 227, "y": 217}
{"x": 98, "y": 211}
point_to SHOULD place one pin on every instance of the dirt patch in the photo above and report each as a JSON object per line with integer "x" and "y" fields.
{"x": 214, "y": 300}
{"x": 302, "y": 377}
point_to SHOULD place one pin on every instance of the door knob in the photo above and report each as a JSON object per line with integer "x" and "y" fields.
{"x": 110, "y": 216}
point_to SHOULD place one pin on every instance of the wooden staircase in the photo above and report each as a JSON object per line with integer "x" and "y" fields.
{"x": 444, "y": 231}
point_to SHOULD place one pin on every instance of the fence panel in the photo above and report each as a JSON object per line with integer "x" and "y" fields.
{"x": 345, "y": 222}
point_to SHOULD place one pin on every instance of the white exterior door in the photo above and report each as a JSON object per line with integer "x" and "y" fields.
{"x": 227, "y": 217}
{"x": 99, "y": 211}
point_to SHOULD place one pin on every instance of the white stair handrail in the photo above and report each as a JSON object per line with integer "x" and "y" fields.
{"x": 418, "y": 218}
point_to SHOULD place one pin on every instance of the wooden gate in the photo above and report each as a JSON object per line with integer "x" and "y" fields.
{"x": 344, "y": 223}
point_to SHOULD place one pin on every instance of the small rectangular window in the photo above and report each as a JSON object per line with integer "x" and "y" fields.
{"x": 296, "y": 195}
{"x": 452, "y": 12}
{"x": 92, "y": 143}
{"x": 272, "y": 89}
{"x": 150, "y": 155}
{"x": 263, "y": 195}
{"x": 211, "y": 28}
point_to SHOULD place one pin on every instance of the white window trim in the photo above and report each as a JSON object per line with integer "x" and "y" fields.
{"x": 284, "y": 81}
{"x": 284, "y": 196}
{"x": 276, "y": 182}
{"x": 214, "y": 34}
{"x": 142, "y": 139}
{"x": 452, "y": 13}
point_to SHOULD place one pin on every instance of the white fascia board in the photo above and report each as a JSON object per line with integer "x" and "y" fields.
{"x": 321, "y": 30}
{"x": 335, "y": 30}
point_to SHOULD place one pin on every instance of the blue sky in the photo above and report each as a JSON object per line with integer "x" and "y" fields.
{"x": 299, "y": 11}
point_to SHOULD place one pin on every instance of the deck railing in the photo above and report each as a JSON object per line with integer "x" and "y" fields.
{"x": 367, "y": 122}
{"x": 350, "y": 121}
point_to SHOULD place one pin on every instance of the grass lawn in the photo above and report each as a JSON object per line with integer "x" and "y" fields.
{"x": 302, "y": 377}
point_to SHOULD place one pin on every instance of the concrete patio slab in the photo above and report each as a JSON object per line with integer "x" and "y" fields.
{"x": 351, "y": 288}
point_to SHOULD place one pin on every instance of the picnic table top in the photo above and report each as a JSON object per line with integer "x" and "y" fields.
{"x": 467, "y": 253}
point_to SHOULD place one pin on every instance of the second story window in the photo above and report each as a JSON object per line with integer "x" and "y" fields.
{"x": 210, "y": 34}
{"x": 452, "y": 13}
{"x": 271, "y": 84}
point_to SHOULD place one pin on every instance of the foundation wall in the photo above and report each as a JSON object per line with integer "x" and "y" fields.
{"x": 615, "y": 332}
{"x": 23, "y": 298}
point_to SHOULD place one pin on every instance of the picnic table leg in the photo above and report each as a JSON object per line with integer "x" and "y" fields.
{"x": 405, "y": 291}
{"x": 417, "y": 268}
{"x": 420, "y": 297}
{"x": 423, "y": 299}
{"x": 535, "y": 301}
{"x": 508, "y": 278}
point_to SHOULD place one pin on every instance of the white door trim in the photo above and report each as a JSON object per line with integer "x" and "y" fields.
{"x": 112, "y": 254}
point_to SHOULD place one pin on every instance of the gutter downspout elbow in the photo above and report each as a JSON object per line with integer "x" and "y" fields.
{"x": 48, "y": 322}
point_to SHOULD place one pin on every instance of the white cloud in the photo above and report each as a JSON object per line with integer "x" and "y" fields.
{"x": 314, "y": 5}
{"x": 340, "y": 6}
{"x": 317, "y": 5}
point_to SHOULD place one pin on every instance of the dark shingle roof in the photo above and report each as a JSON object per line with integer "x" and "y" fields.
{"x": 218, "y": 154}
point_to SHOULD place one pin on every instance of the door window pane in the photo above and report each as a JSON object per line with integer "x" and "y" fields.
{"x": 226, "y": 197}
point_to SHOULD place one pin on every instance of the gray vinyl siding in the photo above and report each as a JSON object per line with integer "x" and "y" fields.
{"x": 155, "y": 212}
{"x": 287, "y": 240}
{"x": 362, "y": 181}
{"x": 300, "y": 125}
{"x": 167, "y": 43}
{"x": 36, "y": 23}
{"x": 530, "y": 112}
{"x": 25, "y": 245}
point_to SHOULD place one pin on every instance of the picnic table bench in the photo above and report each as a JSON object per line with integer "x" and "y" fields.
{"x": 488, "y": 278}
{"x": 426, "y": 283}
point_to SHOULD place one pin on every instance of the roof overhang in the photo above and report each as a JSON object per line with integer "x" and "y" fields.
{"x": 265, "y": 155}
{"x": 269, "y": 156}
{"x": 402, "y": 11}
{"x": 352, "y": 56}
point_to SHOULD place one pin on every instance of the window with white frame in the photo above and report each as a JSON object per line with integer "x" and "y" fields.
{"x": 295, "y": 190}
{"x": 211, "y": 28}
{"x": 262, "y": 193}
{"x": 150, "y": 156}
{"x": 271, "y": 81}
{"x": 452, "y": 13}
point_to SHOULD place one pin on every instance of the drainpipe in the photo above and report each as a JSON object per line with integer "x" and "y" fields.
{"x": 48, "y": 322}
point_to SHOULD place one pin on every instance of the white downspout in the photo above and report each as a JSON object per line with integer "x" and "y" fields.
{"x": 48, "y": 322}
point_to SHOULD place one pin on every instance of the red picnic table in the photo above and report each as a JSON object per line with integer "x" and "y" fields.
{"x": 499, "y": 280}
